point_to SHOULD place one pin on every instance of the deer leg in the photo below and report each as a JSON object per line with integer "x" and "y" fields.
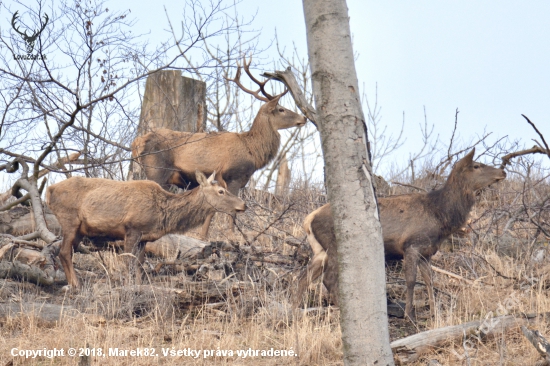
{"x": 206, "y": 227}
{"x": 427, "y": 275}
{"x": 330, "y": 277}
{"x": 233, "y": 188}
{"x": 411, "y": 263}
{"x": 133, "y": 246}
{"x": 70, "y": 241}
{"x": 314, "y": 269}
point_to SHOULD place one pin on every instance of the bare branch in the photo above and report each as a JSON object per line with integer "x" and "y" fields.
{"x": 288, "y": 78}
{"x": 534, "y": 150}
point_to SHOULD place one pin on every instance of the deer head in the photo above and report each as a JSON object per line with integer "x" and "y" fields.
{"x": 29, "y": 40}
{"x": 284, "y": 117}
{"x": 217, "y": 196}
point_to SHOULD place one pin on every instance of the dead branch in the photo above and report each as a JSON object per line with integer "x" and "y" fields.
{"x": 409, "y": 186}
{"x": 409, "y": 349}
{"x": 450, "y": 274}
{"x": 23, "y": 241}
{"x": 31, "y": 273}
{"x": 187, "y": 292}
{"x": 175, "y": 246}
{"x": 288, "y": 78}
{"x": 534, "y": 150}
{"x": 30, "y": 185}
{"x": 540, "y": 135}
{"x": 43, "y": 311}
{"x": 21, "y": 200}
{"x": 540, "y": 343}
{"x": 15, "y": 190}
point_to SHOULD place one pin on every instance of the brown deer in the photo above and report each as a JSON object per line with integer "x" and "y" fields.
{"x": 413, "y": 227}
{"x": 136, "y": 211}
{"x": 171, "y": 157}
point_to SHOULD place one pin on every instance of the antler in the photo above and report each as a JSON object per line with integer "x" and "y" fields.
{"x": 13, "y": 20}
{"x": 261, "y": 84}
{"x": 46, "y": 18}
{"x": 25, "y": 36}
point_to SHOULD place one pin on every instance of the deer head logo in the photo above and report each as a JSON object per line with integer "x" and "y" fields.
{"x": 29, "y": 40}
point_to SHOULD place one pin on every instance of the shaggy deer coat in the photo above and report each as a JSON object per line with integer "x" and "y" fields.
{"x": 171, "y": 157}
{"x": 413, "y": 227}
{"x": 136, "y": 211}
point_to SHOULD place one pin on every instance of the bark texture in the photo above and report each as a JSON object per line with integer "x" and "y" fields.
{"x": 170, "y": 101}
{"x": 362, "y": 295}
{"x": 174, "y": 102}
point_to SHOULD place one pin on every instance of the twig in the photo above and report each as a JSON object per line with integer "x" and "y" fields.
{"x": 540, "y": 135}
{"x": 410, "y": 186}
{"x": 450, "y": 274}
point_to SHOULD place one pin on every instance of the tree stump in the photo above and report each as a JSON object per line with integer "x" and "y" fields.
{"x": 171, "y": 101}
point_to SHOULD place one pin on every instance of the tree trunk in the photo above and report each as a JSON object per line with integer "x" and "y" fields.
{"x": 174, "y": 102}
{"x": 171, "y": 101}
{"x": 283, "y": 178}
{"x": 341, "y": 123}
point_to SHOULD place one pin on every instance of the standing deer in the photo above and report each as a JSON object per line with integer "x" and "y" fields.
{"x": 413, "y": 227}
{"x": 136, "y": 211}
{"x": 171, "y": 157}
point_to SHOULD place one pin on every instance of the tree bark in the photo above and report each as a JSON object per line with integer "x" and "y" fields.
{"x": 171, "y": 101}
{"x": 341, "y": 123}
{"x": 174, "y": 102}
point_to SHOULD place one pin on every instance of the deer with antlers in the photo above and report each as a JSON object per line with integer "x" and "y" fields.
{"x": 171, "y": 157}
{"x": 29, "y": 40}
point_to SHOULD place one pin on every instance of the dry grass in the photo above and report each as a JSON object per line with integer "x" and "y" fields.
{"x": 259, "y": 319}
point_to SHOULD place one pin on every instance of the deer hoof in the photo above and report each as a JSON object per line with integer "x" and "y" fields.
{"x": 67, "y": 288}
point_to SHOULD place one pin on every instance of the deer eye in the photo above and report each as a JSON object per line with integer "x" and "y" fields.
{"x": 281, "y": 110}
{"x": 476, "y": 166}
{"x": 221, "y": 191}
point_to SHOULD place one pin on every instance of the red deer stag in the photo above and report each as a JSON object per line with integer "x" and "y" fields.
{"x": 136, "y": 211}
{"x": 171, "y": 157}
{"x": 413, "y": 226}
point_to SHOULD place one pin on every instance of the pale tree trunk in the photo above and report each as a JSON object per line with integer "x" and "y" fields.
{"x": 283, "y": 178}
{"x": 362, "y": 296}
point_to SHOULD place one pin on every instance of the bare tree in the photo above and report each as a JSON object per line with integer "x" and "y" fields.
{"x": 349, "y": 182}
{"x": 77, "y": 94}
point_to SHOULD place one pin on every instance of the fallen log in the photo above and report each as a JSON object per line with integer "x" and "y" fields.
{"x": 30, "y": 273}
{"x": 43, "y": 311}
{"x": 409, "y": 349}
{"x": 540, "y": 343}
{"x": 188, "y": 293}
{"x": 175, "y": 246}
{"x": 19, "y": 220}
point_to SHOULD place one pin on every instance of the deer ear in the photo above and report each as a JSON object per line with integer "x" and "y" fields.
{"x": 201, "y": 179}
{"x": 470, "y": 156}
{"x": 466, "y": 160}
{"x": 272, "y": 104}
{"x": 211, "y": 177}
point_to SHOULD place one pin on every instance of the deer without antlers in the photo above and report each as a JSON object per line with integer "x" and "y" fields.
{"x": 413, "y": 227}
{"x": 171, "y": 157}
{"x": 136, "y": 211}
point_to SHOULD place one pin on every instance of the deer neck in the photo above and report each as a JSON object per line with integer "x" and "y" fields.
{"x": 452, "y": 204}
{"x": 186, "y": 211}
{"x": 262, "y": 141}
